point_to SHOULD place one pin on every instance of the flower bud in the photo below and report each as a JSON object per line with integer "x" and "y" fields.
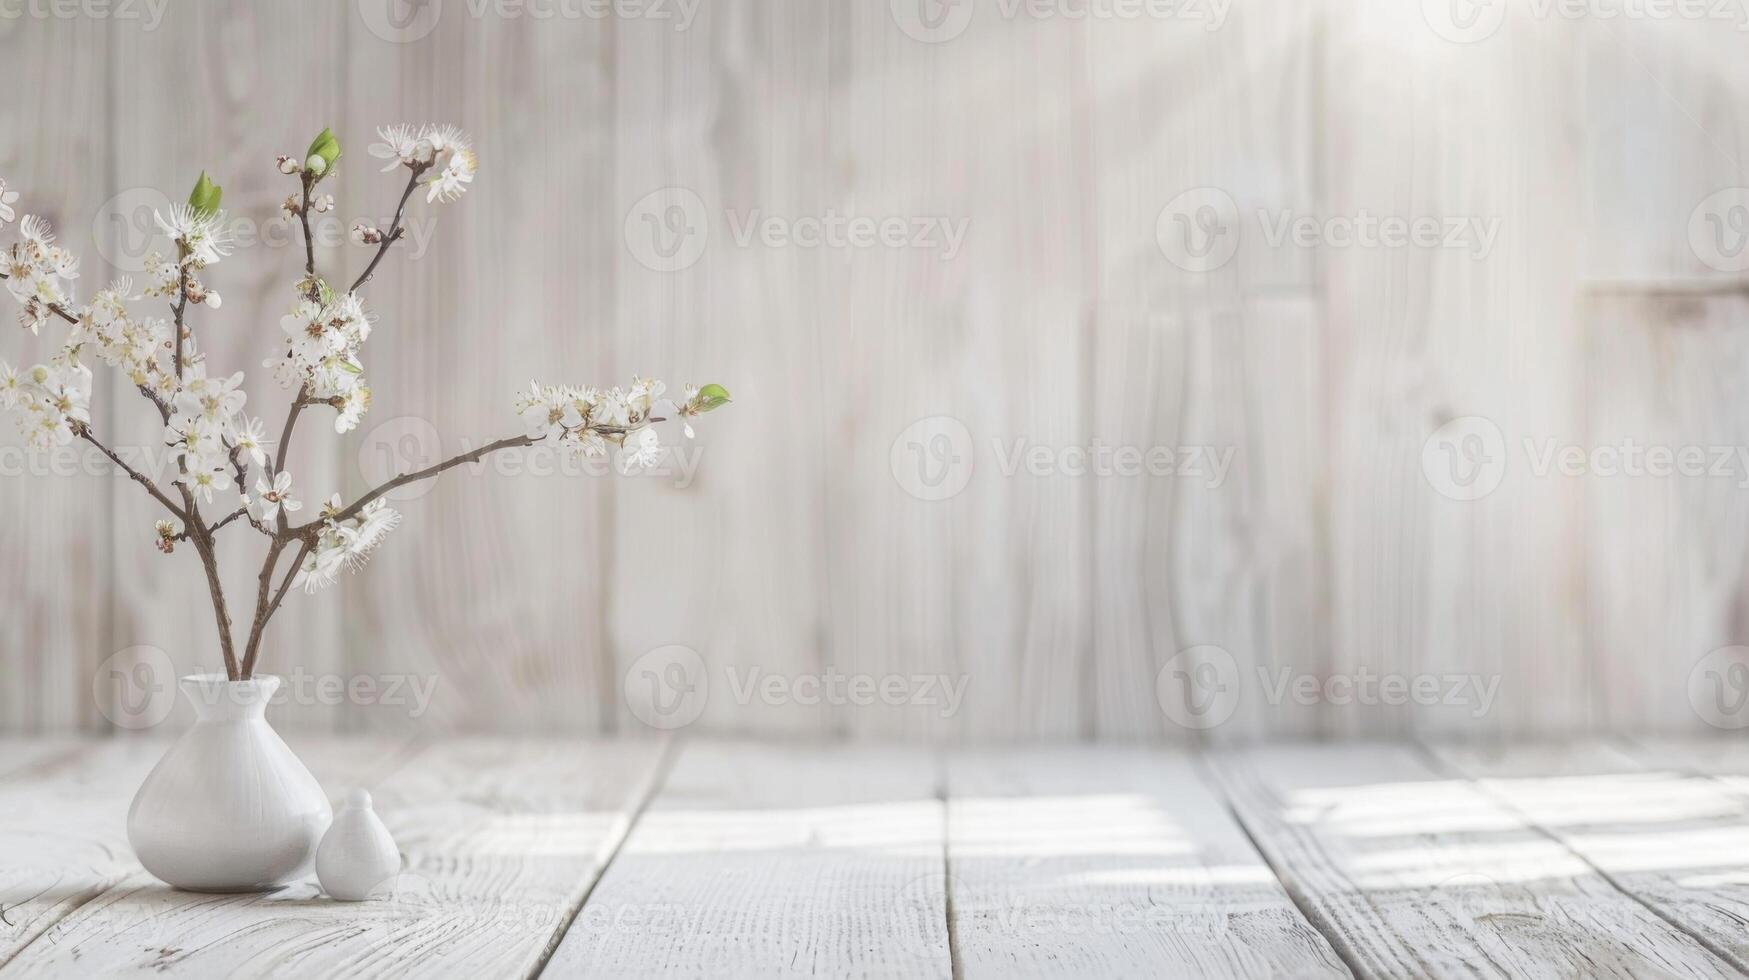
{"x": 213, "y": 299}
{"x": 316, "y": 165}
{"x": 287, "y": 165}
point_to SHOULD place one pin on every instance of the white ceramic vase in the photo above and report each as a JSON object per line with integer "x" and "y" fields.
{"x": 357, "y": 856}
{"x": 229, "y": 808}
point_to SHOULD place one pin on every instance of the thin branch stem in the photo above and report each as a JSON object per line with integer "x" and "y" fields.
{"x": 394, "y": 233}
{"x": 265, "y": 608}
{"x": 138, "y": 477}
{"x": 309, "y": 239}
{"x": 424, "y": 474}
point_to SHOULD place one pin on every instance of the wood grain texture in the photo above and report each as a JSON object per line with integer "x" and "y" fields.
{"x": 244, "y": 114}
{"x": 57, "y": 505}
{"x": 70, "y": 872}
{"x": 1411, "y": 873}
{"x": 781, "y": 543}
{"x": 1222, "y": 363}
{"x": 1417, "y": 337}
{"x": 1111, "y": 862}
{"x": 501, "y": 839}
{"x": 65, "y": 837}
{"x": 1665, "y": 586}
{"x": 452, "y": 601}
{"x": 1673, "y": 840}
{"x": 774, "y": 862}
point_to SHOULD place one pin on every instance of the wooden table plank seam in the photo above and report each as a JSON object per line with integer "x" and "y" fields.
{"x": 1205, "y": 767}
{"x": 1441, "y": 766}
{"x": 669, "y": 752}
{"x": 1436, "y": 760}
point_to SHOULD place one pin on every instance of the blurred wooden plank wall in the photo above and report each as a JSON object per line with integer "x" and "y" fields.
{"x": 794, "y": 549}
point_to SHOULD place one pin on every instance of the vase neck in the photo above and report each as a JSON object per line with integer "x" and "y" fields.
{"x": 216, "y": 698}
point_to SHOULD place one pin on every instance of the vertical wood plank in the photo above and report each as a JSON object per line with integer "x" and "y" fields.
{"x": 1665, "y": 579}
{"x": 224, "y": 91}
{"x": 494, "y": 585}
{"x": 1424, "y": 582}
{"x": 1218, "y": 358}
{"x": 55, "y": 528}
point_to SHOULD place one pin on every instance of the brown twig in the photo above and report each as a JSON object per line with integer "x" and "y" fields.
{"x": 138, "y": 477}
{"x": 394, "y": 233}
{"x": 265, "y": 607}
{"x": 417, "y": 475}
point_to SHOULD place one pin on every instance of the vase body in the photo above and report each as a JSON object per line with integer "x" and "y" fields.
{"x": 229, "y": 808}
{"x": 357, "y": 855}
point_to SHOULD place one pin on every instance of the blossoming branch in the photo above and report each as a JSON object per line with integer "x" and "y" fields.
{"x": 226, "y": 463}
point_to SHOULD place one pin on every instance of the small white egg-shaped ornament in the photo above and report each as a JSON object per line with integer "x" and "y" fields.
{"x": 357, "y": 854}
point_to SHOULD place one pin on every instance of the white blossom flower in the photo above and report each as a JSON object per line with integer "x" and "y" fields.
{"x": 251, "y": 442}
{"x": 36, "y": 232}
{"x": 452, "y": 162}
{"x": 587, "y": 442}
{"x": 311, "y": 334}
{"x": 322, "y": 565}
{"x": 363, "y": 533}
{"x": 201, "y": 234}
{"x": 7, "y": 197}
{"x": 206, "y": 479}
{"x": 352, "y": 408}
{"x": 396, "y": 147}
{"x": 68, "y": 394}
{"x": 547, "y": 410}
{"x": 448, "y": 183}
{"x": 643, "y": 396}
{"x": 641, "y": 450}
{"x": 213, "y": 400}
{"x": 276, "y": 496}
{"x": 12, "y": 390}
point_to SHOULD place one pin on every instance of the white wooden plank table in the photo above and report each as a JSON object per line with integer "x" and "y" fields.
{"x": 577, "y": 857}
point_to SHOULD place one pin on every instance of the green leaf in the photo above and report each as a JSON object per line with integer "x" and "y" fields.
{"x": 712, "y": 397}
{"x": 204, "y": 199}
{"x": 325, "y": 146}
